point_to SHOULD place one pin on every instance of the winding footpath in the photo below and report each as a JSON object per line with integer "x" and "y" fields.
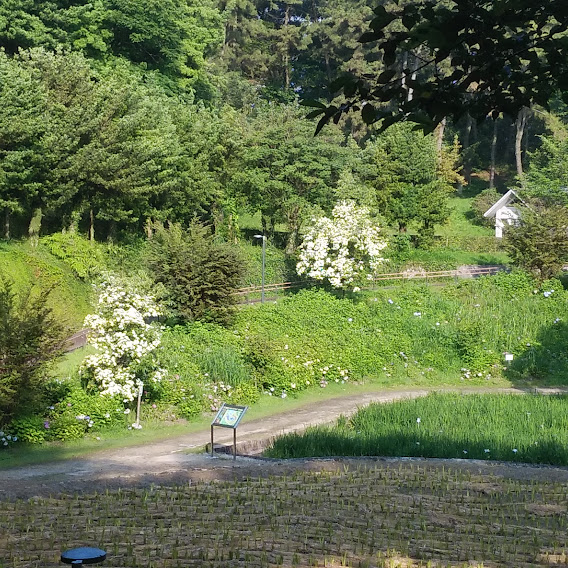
{"x": 184, "y": 457}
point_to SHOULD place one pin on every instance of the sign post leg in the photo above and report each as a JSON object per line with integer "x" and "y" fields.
{"x": 235, "y": 444}
{"x": 212, "y": 441}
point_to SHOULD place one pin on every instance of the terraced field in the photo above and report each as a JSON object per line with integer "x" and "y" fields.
{"x": 357, "y": 514}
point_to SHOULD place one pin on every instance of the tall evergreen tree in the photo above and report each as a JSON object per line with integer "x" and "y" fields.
{"x": 23, "y": 106}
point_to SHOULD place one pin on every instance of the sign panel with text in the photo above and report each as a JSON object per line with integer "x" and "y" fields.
{"x": 229, "y": 416}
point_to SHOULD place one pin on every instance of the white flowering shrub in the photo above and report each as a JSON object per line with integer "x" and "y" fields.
{"x": 343, "y": 249}
{"x": 124, "y": 341}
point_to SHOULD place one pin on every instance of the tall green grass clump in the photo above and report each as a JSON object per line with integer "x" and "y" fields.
{"x": 525, "y": 428}
{"x": 205, "y": 367}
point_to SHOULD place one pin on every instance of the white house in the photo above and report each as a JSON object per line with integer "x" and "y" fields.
{"x": 504, "y": 213}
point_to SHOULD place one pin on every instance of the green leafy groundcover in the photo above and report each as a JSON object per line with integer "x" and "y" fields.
{"x": 523, "y": 428}
{"x": 414, "y": 334}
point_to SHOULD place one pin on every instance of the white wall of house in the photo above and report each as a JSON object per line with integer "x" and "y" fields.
{"x": 505, "y": 216}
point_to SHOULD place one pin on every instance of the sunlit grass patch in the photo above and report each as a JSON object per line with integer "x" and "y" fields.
{"x": 531, "y": 428}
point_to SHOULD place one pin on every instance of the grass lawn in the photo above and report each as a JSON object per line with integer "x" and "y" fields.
{"x": 355, "y": 515}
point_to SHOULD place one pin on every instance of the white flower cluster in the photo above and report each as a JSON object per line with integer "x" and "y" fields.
{"x": 122, "y": 337}
{"x": 342, "y": 248}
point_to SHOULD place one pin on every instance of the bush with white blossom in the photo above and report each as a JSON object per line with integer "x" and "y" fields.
{"x": 124, "y": 341}
{"x": 343, "y": 249}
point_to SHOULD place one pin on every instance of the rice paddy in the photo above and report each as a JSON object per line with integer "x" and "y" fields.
{"x": 383, "y": 515}
{"x": 530, "y": 429}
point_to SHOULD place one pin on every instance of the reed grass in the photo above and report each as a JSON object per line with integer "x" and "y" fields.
{"x": 530, "y": 429}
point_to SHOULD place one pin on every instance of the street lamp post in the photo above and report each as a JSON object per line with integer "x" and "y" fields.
{"x": 263, "y": 237}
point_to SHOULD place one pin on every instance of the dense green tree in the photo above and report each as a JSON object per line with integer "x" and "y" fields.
{"x": 211, "y": 148}
{"x": 405, "y": 175}
{"x": 335, "y": 27}
{"x": 246, "y": 43}
{"x": 262, "y": 41}
{"x": 539, "y": 242}
{"x": 199, "y": 275}
{"x": 23, "y": 104}
{"x": 75, "y": 24}
{"x": 171, "y": 36}
{"x": 547, "y": 178}
{"x": 287, "y": 174}
{"x": 295, "y": 45}
{"x": 111, "y": 147}
{"x": 30, "y": 340}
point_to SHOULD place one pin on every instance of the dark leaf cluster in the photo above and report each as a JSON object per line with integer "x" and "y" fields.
{"x": 199, "y": 274}
{"x": 476, "y": 57}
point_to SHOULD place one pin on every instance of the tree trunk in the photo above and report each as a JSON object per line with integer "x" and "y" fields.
{"x": 225, "y": 34}
{"x": 439, "y": 133}
{"x": 328, "y": 68}
{"x": 410, "y": 89}
{"x": 493, "y": 155}
{"x": 287, "y": 50}
{"x": 520, "y": 125}
{"x": 91, "y": 225}
{"x": 112, "y": 232}
{"x": 293, "y": 222}
{"x": 292, "y": 241}
{"x": 7, "y": 224}
{"x": 73, "y": 222}
{"x": 315, "y": 11}
{"x": 406, "y": 65}
{"x": 35, "y": 226}
{"x": 466, "y": 170}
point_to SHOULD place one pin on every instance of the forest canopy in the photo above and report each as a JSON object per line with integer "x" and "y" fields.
{"x": 116, "y": 115}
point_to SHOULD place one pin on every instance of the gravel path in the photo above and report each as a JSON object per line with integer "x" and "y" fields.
{"x": 176, "y": 459}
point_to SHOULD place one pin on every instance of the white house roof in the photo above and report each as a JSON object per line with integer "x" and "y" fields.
{"x": 503, "y": 202}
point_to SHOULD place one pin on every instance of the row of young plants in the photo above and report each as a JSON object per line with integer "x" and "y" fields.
{"x": 411, "y": 335}
{"x": 347, "y": 514}
{"x": 530, "y": 429}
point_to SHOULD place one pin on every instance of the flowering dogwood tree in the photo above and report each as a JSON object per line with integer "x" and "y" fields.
{"x": 342, "y": 249}
{"x": 124, "y": 341}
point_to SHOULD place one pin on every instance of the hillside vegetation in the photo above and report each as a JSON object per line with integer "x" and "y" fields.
{"x": 27, "y": 266}
{"x": 154, "y": 157}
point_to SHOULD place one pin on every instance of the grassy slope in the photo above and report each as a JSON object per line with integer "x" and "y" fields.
{"x": 459, "y": 223}
{"x": 30, "y": 266}
{"x": 70, "y": 297}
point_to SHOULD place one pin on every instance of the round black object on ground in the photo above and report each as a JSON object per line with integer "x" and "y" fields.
{"x": 83, "y": 555}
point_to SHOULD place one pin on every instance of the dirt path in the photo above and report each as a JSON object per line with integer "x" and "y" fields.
{"x": 171, "y": 461}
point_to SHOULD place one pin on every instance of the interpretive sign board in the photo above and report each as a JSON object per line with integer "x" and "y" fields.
{"x": 229, "y": 416}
